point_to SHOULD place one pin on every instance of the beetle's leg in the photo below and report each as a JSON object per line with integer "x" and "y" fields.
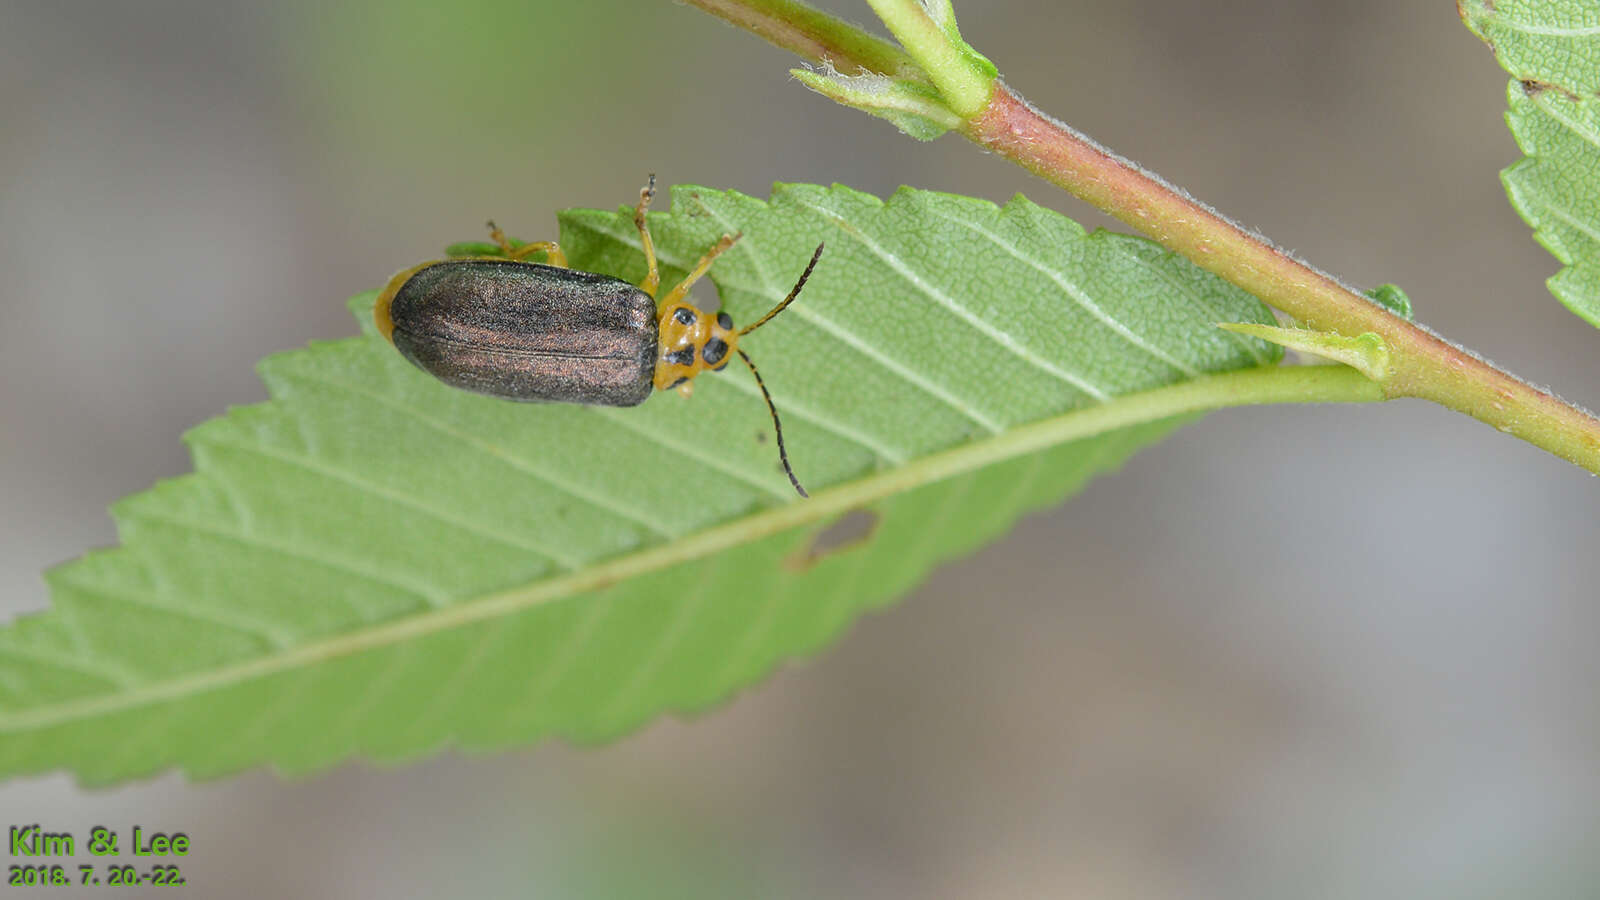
{"x": 552, "y": 250}
{"x": 682, "y": 290}
{"x": 652, "y": 277}
{"x": 552, "y": 253}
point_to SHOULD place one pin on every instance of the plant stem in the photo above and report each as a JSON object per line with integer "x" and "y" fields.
{"x": 911, "y": 25}
{"x": 1421, "y": 363}
{"x": 814, "y": 35}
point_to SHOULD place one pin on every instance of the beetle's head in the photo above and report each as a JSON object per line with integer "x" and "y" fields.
{"x": 691, "y": 342}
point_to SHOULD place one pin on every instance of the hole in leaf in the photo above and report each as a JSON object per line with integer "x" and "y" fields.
{"x": 845, "y": 533}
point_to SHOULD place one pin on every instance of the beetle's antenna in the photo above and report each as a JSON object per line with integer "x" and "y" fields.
{"x": 783, "y": 454}
{"x": 786, "y": 301}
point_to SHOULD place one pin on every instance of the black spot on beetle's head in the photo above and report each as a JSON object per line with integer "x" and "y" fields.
{"x": 684, "y": 357}
{"x": 724, "y": 321}
{"x": 678, "y": 382}
{"x": 684, "y": 315}
{"x": 715, "y": 351}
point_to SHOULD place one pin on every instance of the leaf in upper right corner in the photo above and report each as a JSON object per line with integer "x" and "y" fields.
{"x": 1552, "y": 50}
{"x": 1551, "y": 41}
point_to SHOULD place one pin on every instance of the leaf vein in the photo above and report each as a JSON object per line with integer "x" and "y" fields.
{"x": 739, "y": 654}
{"x": 111, "y": 677}
{"x": 609, "y": 504}
{"x": 280, "y": 700}
{"x": 401, "y": 499}
{"x": 377, "y": 687}
{"x": 1590, "y": 136}
{"x": 430, "y": 593}
{"x": 128, "y": 743}
{"x": 1078, "y": 295}
{"x": 1200, "y": 300}
{"x": 998, "y": 336}
{"x": 559, "y": 664}
{"x": 711, "y": 461}
{"x": 617, "y": 707}
{"x": 253, "y": 627}
{"x": 933, "y": 527}
{"x": 493, "y": 632}
{"x": 1588, "y": 230}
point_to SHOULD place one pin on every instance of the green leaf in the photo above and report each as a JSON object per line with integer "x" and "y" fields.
{"x": 1553, "y": 42}
{"x": 1557, "y": 188}
{"x": 913, "y": 106}
{"x": 374, "y": 564}
{"x": 1552, "y": 48}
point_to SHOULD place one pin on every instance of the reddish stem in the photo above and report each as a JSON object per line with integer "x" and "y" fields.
{"x": 1424, "y": 365}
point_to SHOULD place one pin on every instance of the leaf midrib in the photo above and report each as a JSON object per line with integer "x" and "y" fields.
{"x": 1261, "y": 385}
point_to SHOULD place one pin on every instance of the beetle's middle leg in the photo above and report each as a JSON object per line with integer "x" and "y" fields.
{"x": 552, "y": 250}
{"x": 652, "y": 277}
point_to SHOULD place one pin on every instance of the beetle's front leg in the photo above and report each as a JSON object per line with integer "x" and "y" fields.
{"x": 699, "y": 270}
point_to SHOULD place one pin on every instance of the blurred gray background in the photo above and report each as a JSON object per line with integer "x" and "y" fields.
{"x": 1329, "y": 652}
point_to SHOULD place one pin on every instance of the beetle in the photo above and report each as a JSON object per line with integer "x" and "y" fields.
{"x": 544, "y": 332}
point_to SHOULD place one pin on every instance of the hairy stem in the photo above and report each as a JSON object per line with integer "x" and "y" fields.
{"x": 1421, "y": 363}
{"x": 965, "y": 93}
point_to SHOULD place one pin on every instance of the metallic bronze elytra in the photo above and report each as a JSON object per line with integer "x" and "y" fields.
{"x": 524, "y": 331}
{"x": 543, "y": 332}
